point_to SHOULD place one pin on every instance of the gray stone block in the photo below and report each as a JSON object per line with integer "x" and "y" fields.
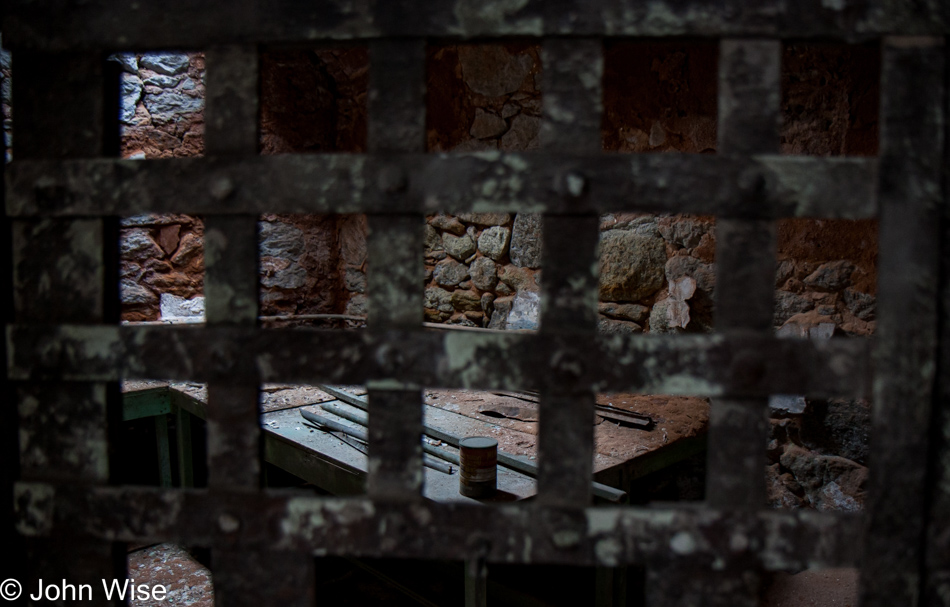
{"x": 165, "y": 63}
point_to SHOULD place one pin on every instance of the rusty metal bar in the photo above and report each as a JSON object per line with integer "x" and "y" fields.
{"x": 936, "y": 589}
{"x": 603, "y": 535}
{"x": 50, "y": 25}
{"x": 912, "y": 128}
{"x": 779, "y": 186}
{"x": 231, "y": 288}
{"x": 396, "y": 124}
{"x": 64, "y": 428}
{"x": 572, "y": 72}
{"x": 60, "y": 180}
{"x": 231, "y": 270}
{"x": 682, "y": 365}
{"x": 9, "y": 419}
{"x": 749, "y": 119}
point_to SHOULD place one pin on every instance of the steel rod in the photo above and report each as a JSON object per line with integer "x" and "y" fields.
{"x": 508, "y": 460}
{"x": 361, "y": 434}
{"x": 363, "y": 420}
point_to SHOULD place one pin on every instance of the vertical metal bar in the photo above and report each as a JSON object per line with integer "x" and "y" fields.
{"x": 395, "y": 246}
{"x": 686, "y": 584}
{"x": 937, "y": 563}
{"x": 231, "y": 265}
{"x": 573, "y": 104}
{"x": 610, "y": 587}
{"x": 231, "y": 290}
{"x": 263, "y": 578}
{"x": 749, "y": 120}
{"x": 9, "y": 422}
{"x": 912, "y": 129}
{"x": 186, "y": 467}
{"x": 476, "y": 583}
{"x": 57, "y": 261}
{"x": 164, "y": 450}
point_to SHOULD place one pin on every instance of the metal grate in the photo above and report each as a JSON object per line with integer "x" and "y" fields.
{"x": 65, "y": 349}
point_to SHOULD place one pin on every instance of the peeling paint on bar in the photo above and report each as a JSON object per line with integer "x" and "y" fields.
{"x": 360, "y": 527}
{"x": 189, "y": 25}
{"x": 681, "y": 364}
{"x": 717, "y": 546}
{"x": 784, "y": 186}
{"x": 34, "y": 503}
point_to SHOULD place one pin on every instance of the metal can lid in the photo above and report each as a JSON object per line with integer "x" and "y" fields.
{"x": 478, "y": 442}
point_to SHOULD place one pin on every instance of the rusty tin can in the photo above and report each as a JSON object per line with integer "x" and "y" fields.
{"x": 478, "y": 472}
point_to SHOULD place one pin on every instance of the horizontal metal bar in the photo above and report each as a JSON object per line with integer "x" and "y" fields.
{"x": 728, "y": 364}
{"x": 607, "y": 536}
{"x": 758, "y": 187}
{"x": 102, "y": 24}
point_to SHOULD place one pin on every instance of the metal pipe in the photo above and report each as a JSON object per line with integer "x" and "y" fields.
{"x": 508, "y": 460}
{"x": 361, "y": 434}
{"x": 363, "y": 420}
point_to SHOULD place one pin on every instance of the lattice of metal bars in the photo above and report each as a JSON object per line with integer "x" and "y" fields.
{"x": 65, "y": 350}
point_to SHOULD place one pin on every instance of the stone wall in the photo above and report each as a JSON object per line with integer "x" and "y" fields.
{"x": 658, "y": 272}
{"x": 161, "y": 115}
{"x": 311, "y": 101}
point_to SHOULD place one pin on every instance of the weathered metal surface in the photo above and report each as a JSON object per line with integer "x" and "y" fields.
{"x": 912, "y": 149}
{"x": 183, "y": 24}
{"x": 9, "y": 426}
{"x": 62, "y": 431}
{"x": 607, "y": 536}
{"x": 231, "y": 278}
{"x": 65, "y": 270}
{"x": 749, "y": 120}
{"x": 936, "y": 591}
{"x": 60, "y": 180}
{"x": 736, "y": 363}
{"x": 231, "y": 101}
{"x": 571, "y": 120}
{"x": 761, "y": 186}
{"x": 396, "y": 123}
{"x": 478, "y": 466}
